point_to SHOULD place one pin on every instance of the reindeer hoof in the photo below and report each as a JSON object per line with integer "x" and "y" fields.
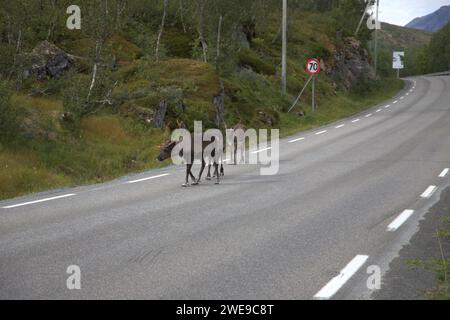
{"x": 217, "y": 183}
{"x": 196, "y": 183}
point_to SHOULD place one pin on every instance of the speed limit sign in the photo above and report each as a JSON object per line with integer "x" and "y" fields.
{"x": 313, "y": 66}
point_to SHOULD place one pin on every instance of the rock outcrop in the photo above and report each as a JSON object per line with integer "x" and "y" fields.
{"x": 49, "y": 61}
{"x": 350, "y": 64}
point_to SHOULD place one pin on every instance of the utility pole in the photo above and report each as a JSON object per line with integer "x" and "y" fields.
{"x": 376, "y": 37}
{"x": 284, "y": 50}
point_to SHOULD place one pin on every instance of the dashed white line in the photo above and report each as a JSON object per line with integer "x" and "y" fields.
{"x": 296, "y": 140}
{"x": 429, "y": 192}
{"x": 402, "y": 98}
{"x": 340, "y": 126}
{"x": 321, "y": 132}
{"x": 262, "y": 150}
{"x": 337, "y": 282}
{"x": 444, "y": 173}
{"x": 401, "y": 219}
{"x": 146, "y": 179}
{"x": 396, "y": 101}
{"x": 356, "y": 120}
{"x": 39, "y": 201}
{"x": 388, "y": 106}
{"x": 379, "y": 110}
{"x": 369, "y": 115}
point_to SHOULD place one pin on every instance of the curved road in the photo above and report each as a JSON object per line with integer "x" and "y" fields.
{"x": 335, "y": 206}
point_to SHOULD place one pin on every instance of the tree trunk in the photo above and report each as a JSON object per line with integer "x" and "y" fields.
{"x": 201, "y": 31}
{"x": 161, "y": 30}
{"x": 182, "y": 16}
{"x": 219, "y": 33}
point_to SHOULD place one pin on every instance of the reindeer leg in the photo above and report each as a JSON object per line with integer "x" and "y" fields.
{"x": 216, "y": 172}
{"x": 188, "y": 172}
{"x": 235, "y": 152}
{"x": 201, "y": 172}
{"x": 222, "y": 171}
{"x": 208, "y": 177}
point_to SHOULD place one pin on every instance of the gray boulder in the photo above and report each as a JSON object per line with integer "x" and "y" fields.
{"x": 350, "y": 64}
{"x": 49, "y": 61}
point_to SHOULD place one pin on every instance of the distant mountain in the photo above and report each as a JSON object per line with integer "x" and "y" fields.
{"x": 432, "y": 22}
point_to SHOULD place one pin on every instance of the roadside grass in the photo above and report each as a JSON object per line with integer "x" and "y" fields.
{"x": 108, "y": 145}
{"x": 340, "y": 106}
{"x": 439, "y": 266}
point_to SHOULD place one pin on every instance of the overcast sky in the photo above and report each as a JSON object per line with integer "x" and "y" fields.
{"x": 401, "y": 12}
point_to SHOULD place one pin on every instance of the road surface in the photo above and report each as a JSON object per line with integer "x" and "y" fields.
{"x": 336, "y": 208}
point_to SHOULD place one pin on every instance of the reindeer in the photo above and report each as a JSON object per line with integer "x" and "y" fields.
{"x": 166, "y": 152}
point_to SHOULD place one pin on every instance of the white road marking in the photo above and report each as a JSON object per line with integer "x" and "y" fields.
{"x": 379, "y": 110}
{"x": 337, "y": 282}
{"x": 388, "y": 106}
{"x": 296, "y": 140}
{"x": 262, "y": 150}
{"x": 321, "y": 132}
{"x": 356, "y": 120}
{"x": 39, "y": 201}
{"x": 395, "y": 102}
{"x": 340, "y": 126}
{"x": 402, "y": 98}
{"x": 444, "y": 173}
{"x": 369, "y": 115}
{"x": 429, "y": 192}
{"x": 401, "y": 219}
{"x": 407, "y": 93}
{"x": 149, "y": 178}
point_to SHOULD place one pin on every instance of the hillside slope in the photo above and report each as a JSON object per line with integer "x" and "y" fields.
{"x": 432, "y": 22}
{"x": 411, "y": 41}
{"x": 139, "y": 100}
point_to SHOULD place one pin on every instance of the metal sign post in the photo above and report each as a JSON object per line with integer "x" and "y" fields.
{"x": 312, "y": 67}
{"x": 314, "y": 93}
{"x": 397, "y": 61}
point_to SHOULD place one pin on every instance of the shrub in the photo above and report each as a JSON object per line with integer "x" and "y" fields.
{"x": 9, "y": 123}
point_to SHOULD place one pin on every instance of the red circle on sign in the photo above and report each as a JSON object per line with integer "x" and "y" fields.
{"x": 313, "y": 66}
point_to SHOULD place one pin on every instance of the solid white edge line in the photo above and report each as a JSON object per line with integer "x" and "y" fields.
{"x": 321, "y": 132}
{"x": 262, "y": 150}
{"x": 400, "y": 220}
{"x": 39, "y": 201}
{"x": 429, "y": 192}
{"x": 146, "y": 179}
{"x": 296, "y": 140}
{"x": 330, "y": 289}
{"x": 444, "y": 173}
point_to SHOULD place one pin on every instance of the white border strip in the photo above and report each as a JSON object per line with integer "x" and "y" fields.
{"x": 296, "y": 140}
{"x": 401, "y": 219}
{"x": 429, "y": 192}
{"x": 262, "y": 150}
{"x": 337, "y": 282}
{"x": 39, "y": 201}
{"x": 146, "y": 179}
{"x": 444, "y": 173}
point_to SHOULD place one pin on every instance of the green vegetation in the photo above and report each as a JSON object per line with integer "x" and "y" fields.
{"x": 411, "y": 41}
{"x": 97, "y": 121}
{"x": 440, "y": 266}
{"x": 436, "y": 57}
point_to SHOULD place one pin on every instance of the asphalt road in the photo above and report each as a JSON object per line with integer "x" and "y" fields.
{"x": 252, "y": 237}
